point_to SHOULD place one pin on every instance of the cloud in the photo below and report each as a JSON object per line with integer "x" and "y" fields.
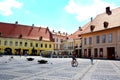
{"x": 84, "y": 12}
{"x": 6, "y": 6}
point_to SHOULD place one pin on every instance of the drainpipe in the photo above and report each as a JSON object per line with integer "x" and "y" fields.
{"x": 116, "y": 55}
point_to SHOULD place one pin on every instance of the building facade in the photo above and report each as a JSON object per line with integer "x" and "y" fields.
{"x": 22, "y": 39}
{"x": 73, "y": 43}
{"x": 101, "y": 37}
{"x": 59, "y": 38}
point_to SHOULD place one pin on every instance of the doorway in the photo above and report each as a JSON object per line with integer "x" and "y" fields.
{"x": 8, "y": 51}
{"x": 111, "y": 53}
{"x": 89, "y": 52}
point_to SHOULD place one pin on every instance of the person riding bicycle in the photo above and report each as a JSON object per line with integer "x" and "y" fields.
{"x": 74, "y": 56}
{"x": 74, "y": 62}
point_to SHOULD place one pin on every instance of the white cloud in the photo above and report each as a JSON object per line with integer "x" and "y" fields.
{"x": 6, "y": 7}
{"x": 84, "y": 12}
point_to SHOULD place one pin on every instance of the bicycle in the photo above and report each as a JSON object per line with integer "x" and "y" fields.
{"x": 74, "y": 63}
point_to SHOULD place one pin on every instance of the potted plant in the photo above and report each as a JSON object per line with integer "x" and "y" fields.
{"x": 42, "y": 61}
{"x": 30, "y": 59}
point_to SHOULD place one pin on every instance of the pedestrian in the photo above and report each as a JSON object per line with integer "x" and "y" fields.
{"x": 20, "y": 54}
{"x": 91, "y": 59}
{"x": 26, "y": 54}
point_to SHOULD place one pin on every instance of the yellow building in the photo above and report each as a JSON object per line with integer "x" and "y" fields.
{"x": 22, "y": 39}
{"x": 73, "y": 43}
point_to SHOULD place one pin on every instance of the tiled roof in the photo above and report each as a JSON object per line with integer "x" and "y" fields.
{"x": 112, "y": 20}
{"x": 77, "y": 34}
{"x": 59, "y": 34}
{"x": 27, "y": 32}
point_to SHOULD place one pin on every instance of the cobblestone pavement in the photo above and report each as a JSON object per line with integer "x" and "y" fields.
{"x": 57, "y": 69}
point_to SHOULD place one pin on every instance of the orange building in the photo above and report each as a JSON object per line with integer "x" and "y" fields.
{"x": 101, "y": 36}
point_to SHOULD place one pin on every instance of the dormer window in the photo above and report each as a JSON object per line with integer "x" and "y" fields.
{"x": 67, "y": 38}
{"x": 92, "y": 27}
{"x": 0, "y": 34}
{"x": 105, "y": 24}
{"x": 20, "y": 36}
{"x": 40, "y": 38}
{"x": 79, "y": 35}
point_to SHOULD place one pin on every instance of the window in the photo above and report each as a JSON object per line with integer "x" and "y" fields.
{"x": 92, "y": 27}
{"x": 0, "y": 42}
{"x": 56, "y": 46}
{"x": 97, "y": 39}
{"x": 95, "y": 52}
{"x": 119, "y": 36}
{"x": 90, "y": 40}
{"x": 45, "y": 45}
{"x": 11, "y": 43}
{"x": 25, "y": 44}
{"x": 49, "y": 45}
{"x": 5, "y": 42}
{"x": 76, "y": 46}
{"x": 85, "y": 52}
{"x": 103, "y": 38}
{"x": 0, "y": 34}
{"x": 53, "y": 39}
{"x": 85, "y": 41}
{"x": 16, "y": 43}
{"x": 36, "y": 44}
{"x": 56, "y": 39}
{"x": 110, "y": 38}
{"x": 61, "y": 40}
{"x": 101, "y": 52}
{"x": 31, "y": 45}
{"x": 105, "y": 24}
{"x": 20, "y": 43}
{"x": 41, "y": 45}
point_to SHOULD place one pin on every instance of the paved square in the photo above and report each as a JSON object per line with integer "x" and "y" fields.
{"x": 57, "y": 69}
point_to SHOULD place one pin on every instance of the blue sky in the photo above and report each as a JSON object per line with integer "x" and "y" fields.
{"x": 58, "y": 15}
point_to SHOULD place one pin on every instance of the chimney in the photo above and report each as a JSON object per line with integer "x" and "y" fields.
{"x": 80, "y": 28}
{"x": 91, "y": 19}
{"x": 59, "y": 32}
{"x": 108, "y": 11}
{"x": 66, "y": 34}
{"x": 16, "y": 22}
{"x": 53, "y": 31}
{"x": 32, "y": 25}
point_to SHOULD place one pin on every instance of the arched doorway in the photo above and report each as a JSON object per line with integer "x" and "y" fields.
{"x": 17, "y": 51}
{"x": 34, "y": 52}
{"x": 8, "y": 51}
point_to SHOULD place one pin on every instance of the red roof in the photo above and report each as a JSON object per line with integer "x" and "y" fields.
{"x": 27, "y": 32}
{"x": 77, "y": 34}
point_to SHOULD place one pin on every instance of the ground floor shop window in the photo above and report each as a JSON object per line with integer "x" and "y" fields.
{"x": 85, "y": 52}
{"x": 95, "y": 52}
{"x": 101, "y": 52}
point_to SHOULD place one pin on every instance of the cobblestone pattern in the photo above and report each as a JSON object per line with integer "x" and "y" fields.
{"x": 58, "y": 69}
